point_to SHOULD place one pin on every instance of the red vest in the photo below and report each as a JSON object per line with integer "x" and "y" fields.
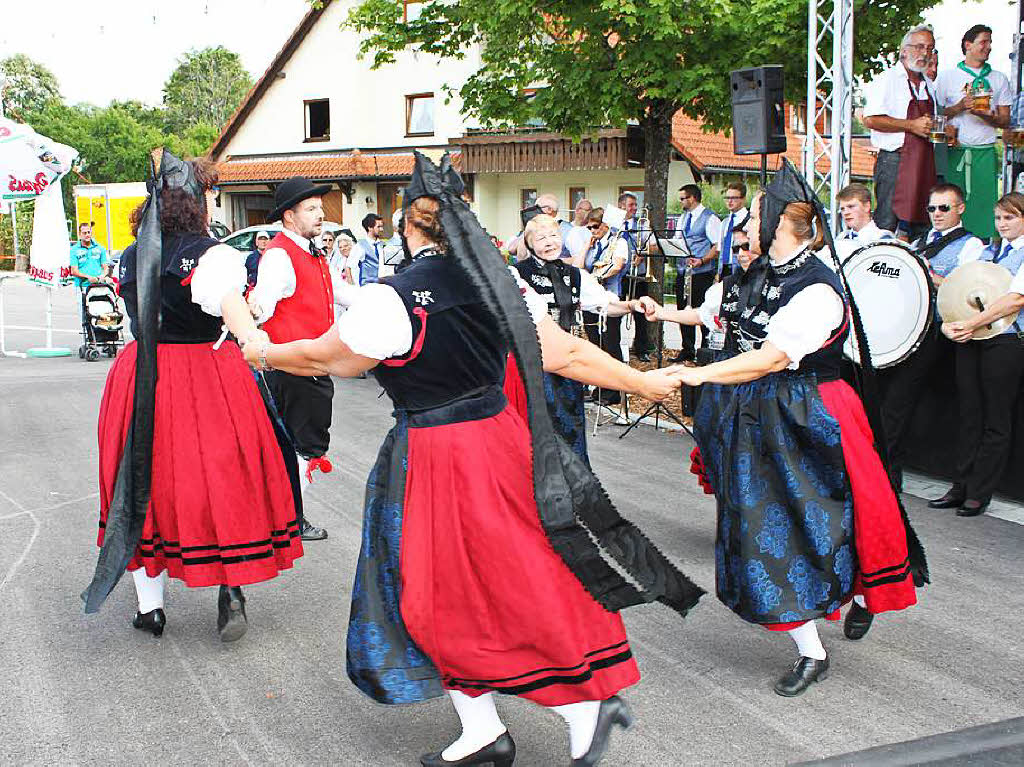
{"x": 309, "y": 311}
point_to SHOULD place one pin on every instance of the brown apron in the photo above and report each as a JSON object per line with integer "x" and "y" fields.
{"x": 916, "y": 174}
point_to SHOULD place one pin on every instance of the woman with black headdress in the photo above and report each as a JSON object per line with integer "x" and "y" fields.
{"x": 481, "y": 568}
{"x": 807, "y": 518}
{"x": 222, "y": 507}
{"x": 569, "y": 291}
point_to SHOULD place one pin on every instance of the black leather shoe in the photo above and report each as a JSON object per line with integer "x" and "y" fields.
{"x": 613, "y": 711}
{"x": 500, "y": 753}
{"x": 153, "y": 621}
{"x": 681, "y": 358}
{"x": 231, "y": 620}
{"x": 972, "y": 509}
{"x": 645, "y": 357}
{"x": 953, "y": 498}
{"x": 312, "y": 533}
{"x": 805, "y": 672}
{"x": 858, "y": 621}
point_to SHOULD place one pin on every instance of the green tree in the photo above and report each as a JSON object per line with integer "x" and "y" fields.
{"x": 610, "y": 62}
{"x": 206, "y": 87}
{"x": 28, "y": 86}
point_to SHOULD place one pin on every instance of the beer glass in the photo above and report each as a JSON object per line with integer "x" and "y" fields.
{"x": 982, "y": 99}
{"x": 938, "y": 131}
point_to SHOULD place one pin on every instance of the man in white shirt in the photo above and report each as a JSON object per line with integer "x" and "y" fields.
{"x": 636, "y": 233}
{"x": 973, "y": 164}
{"x": 899, "y": 108}
{"x": 736, "y": 202}
{"x": 367, "y": 255}
{"x": 855, "y": 208}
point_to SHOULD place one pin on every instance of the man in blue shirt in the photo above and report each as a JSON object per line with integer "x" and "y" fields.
{"x": 89, "y": 260}
{"x": 252, "y": 261}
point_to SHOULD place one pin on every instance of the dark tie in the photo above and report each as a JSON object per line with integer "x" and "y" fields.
{"x": 935, "y": 236}
{"x": 1003, "y": 253}
{"x": 314, "y": 250}
{"x": 686, "y": 225}
{"x": 727, "y": 244}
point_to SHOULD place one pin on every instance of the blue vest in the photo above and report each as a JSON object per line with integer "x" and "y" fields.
{"x": 1012, "y": 263}
{"x": 598, "y": 252}
{"x": 947, "y": 259}
{"x": 698, "y": 241}
{"x": 369, "y": 266}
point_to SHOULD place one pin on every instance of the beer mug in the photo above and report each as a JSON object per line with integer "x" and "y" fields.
{"x": 938, "y": 131}
{"x": 982, "y": 99}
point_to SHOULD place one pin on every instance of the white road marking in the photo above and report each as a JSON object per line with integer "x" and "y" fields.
{"x": 77, "y": 332}
{"x": 23, "y": 512}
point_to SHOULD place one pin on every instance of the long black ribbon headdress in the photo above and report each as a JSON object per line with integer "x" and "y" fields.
{"x": 790, "y": 186}
{"x": 128, "y": 506}
{"x": 577, "y": 516}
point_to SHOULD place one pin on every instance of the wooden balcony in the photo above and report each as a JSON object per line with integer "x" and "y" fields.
{"x": 525, "y": 151}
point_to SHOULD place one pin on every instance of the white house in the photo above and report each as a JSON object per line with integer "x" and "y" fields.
{"x": 321, "y": 112}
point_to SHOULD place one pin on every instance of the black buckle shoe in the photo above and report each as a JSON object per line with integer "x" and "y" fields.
{"x": 972, "y": 509}
{"x": 153, "y": 621}
{"x": 231, "y": 621}
{"x": 311, "y": 532}
{"x": 953, "y": 498}
{"x": 500, "y": 753}
{"x": 613, "y": 711}
{"x": 804, "y": 673}
{"x": 858, "y": 621}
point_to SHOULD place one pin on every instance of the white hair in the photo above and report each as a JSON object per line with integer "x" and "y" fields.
{"x": 915, "y": 30}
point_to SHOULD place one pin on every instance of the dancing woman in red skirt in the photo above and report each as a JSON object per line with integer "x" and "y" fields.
{"x": 479, "y": 572}
{"x": 193, "y": 478}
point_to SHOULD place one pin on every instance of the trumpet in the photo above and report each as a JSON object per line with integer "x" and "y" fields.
{"x": 643, "y": 223}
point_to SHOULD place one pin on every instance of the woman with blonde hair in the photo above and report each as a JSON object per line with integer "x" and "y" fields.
{"x": 989, "y": 373}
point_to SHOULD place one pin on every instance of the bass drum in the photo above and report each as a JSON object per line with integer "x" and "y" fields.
{"x": 894, "y": 293}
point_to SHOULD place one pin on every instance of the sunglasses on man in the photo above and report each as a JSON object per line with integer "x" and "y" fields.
{"x": 944, "y": 208}
{"x": 593, "y": 227}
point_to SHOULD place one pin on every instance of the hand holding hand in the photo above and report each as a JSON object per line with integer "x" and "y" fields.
{"x": 649, "y": 307}
{"x": 657, "y": 385}
{"x": 254, "y": 308}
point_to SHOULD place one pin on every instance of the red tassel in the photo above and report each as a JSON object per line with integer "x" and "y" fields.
{"x": 697, "y": 467}
{"x": 322, "y": 463}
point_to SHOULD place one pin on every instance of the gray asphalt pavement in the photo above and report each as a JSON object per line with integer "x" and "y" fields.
{"x": 90, "y": 690}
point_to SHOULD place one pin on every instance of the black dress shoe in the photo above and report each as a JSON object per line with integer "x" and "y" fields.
{"x": 645, "y": 357}
{"x": 681, "y": 358}
{"x": 613, "y": 711}
{"x": 500, "y": 753}
{"x": 858, "y": 621}
{"x": 805, "y": 672}
{"x": 231, "y": 620}
{"x": 972, "y": 509}
{"x": 953, "y": 498}
{"x": 311, "y": 532}
{"x": 153, "y": 621}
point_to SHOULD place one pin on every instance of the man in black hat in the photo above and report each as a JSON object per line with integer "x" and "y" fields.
{"x": 293, "y": 299}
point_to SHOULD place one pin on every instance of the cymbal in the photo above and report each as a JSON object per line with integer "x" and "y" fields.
{"x": 970, "y": 287}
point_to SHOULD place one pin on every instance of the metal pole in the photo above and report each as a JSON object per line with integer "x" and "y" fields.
{"x": 812, "y": 94}
{"x": 764, "y": 171}
{"x": 14, "y": 226}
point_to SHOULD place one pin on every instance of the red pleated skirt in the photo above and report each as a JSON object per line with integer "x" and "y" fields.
{"x": 883, "y": 563}
{"x": 484, "y": 594}
{"x": 221, "y": 508}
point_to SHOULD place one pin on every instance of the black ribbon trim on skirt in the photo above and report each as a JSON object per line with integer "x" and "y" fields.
{"x": 575, "y": 512}
{"x": 547, "y": 670}
{"x": 128, "y": 506}
{"x": 547, "y": 681}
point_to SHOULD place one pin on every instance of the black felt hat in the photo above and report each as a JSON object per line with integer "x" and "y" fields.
{"x": 293, "y": 191}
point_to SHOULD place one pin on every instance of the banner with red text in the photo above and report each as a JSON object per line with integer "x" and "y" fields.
{"x": 30, "y": 163}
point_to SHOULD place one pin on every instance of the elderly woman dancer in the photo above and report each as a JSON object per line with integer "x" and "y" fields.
{"x": 501, "y": 588}
{"x": 194, "y": 480}
{"x": 989, "y": 373}
{"x": 807, "y": 518}
{"x": 569, "y": 291}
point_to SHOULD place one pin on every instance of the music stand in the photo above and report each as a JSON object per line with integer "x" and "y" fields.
{"x": 614, "y": 415}
{"x": 670, "y": 248}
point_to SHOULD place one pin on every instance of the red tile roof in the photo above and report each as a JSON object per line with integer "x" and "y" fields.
{"x": 714, "y": 151}
{"x": 328, "y": 167}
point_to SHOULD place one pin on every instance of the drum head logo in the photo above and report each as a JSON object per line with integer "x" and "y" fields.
{"x": 882, "y": 269}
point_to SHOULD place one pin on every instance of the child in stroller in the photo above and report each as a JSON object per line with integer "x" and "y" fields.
{"x": 102, "y": 321}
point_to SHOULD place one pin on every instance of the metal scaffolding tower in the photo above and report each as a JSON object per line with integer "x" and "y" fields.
{"x": 828, "y": 142}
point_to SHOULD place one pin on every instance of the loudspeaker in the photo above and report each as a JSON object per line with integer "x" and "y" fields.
{"x": 758, "y": 114}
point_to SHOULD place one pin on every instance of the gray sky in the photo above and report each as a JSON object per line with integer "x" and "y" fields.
{"x": 126, "y": 49}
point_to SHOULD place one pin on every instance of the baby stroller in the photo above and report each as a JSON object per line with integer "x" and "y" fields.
{"x": 101, "y": 322}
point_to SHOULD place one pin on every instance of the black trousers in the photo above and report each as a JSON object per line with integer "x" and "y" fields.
{"x": 902, "y": 386}
{"x": 611, "y": 341}
{"x": 700, "y": 284}
{"x": 304, "y": 404}
{"x": 988, "y": 378}
{"x": 637, "y": 287}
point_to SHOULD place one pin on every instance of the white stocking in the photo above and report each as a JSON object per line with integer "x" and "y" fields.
{"x": 303, "y": 482}
{"x": 150, "y": 590}
{"x": 808, "y": 644}
{"x": 481, "y": 724}
{"x": 859, "y": 599}
{"x": 582, "y": 721}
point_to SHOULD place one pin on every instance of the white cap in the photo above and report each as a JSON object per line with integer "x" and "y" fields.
{"x": 261, "y": 233}
{"x": 396, "y": 217}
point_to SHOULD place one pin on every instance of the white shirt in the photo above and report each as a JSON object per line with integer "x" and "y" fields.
{"x": 889, "y": 94}
{"x": 724, "y": 226}
{"x": 275, "y": 279}
{"x": 377, "y": 324}
{"x": 218, "y": 273}
{"x": 1017, "y": 283}
{"x": 800, "y": 327}
{"x": 577, "y": 239}
{"x": 712, "y": 228}
{"x": 849, "y": 240}
{"x": 971, "y": 250}
{"x": 972, "y": 130}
